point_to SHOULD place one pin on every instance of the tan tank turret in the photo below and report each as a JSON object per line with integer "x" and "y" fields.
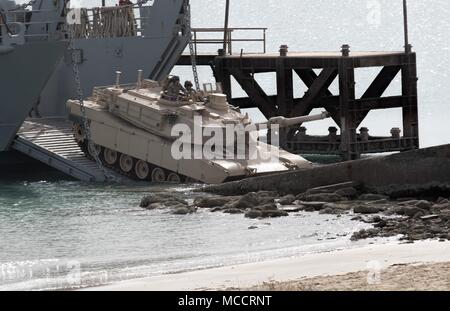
{"x": 146, "y": 131}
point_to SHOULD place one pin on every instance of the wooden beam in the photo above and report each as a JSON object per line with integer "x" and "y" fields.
{"x": 347, "y": 95}
{"x": 285, "y": 89}
{"x": 382, "y": 81}
{"x": 364, "y": 105}
{"x": 317, "y": 90}
{"x": 330, "y": 102}
{"x": 308, "y": 76}
{"x": 255, "y": 92}
{"x": 378, "y": 87}
{"x": 409, "y": 89}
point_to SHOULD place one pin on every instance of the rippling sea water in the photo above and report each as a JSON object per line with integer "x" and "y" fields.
{"x": 48, "y": 229}
{"x": 55, "y": 233}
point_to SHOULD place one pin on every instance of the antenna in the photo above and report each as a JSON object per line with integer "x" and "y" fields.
{"x": 408, "y": 46}
{"x": 118, "y": 73}
{"x": 225, "y": 30}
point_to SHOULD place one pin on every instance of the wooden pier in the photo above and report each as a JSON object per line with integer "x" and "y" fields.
{"x": 347, "y": 111}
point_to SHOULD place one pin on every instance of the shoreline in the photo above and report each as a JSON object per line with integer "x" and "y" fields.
{"x": 336, "y": 263}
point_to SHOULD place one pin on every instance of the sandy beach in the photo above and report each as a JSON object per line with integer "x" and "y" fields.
{"x": 400, "y": 277}
{"x": 422, "y": 265}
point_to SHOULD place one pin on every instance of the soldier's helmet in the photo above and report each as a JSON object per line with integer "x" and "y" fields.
{"x": 176, "y": 78}
{"x": 188, "y": 84}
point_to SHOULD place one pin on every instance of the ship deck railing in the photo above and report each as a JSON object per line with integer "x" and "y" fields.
{"x": 21, "y": 16}
{"x": 215, "y": 36}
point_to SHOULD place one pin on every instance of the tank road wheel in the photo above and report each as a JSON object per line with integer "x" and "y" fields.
{"x": 158, "y": 175}
{"x": 174, "y": 178}
{"x": 142, "y": 170}
{"x": 80, "y": 137}
{"x": 126, "y": 163}
{"x": 78, "y": 133}
{"x": 110, "y": 156}
{"x": 94, "y": 149}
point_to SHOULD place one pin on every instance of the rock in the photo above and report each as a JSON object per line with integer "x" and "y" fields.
{"x": 211, "y": 202}
{"x": 252, "y": 227}
{"x": 357, "y": 218}
{"x": 349, "y": 192}
{"x": 440, "y": 207}
{"x": 154, "y": 206}
{"x": 267, "y": 207}
{"x": 419, "y": 215}
{"x": 424, "y": 205}
{"x": 253, "y": 214}
{"x": 334, "y": 209}
{"x": 323, "y": 197}
{"x": 365, "y": 234}
{"x": 300, "y": 197}
{"x": 445, "y": 215}
{"x": 274, "y": 214}
{"x": 266, "y": 200}
{"x": 331, "y": 188}
{"x": 313, "y": 206}
{"x": 368, "y": 209}
{"x": 183, "y": 211}
{"x": 372, "y": 197}
{"x": 430, "y": 217}
{"x": 405, "y": 200}
{"x": 327, "y": 211}
{"x": 332, "y": 206}
{"x": 171, "y": 203}
{"x": 442, "y": 201}
{"x": 217, "y": 209}
{"x": 265, "y": 194}
{"x": 294, "y": 210}
{"x": 163, "y": 198}
{"x": 148, "y": 200}
{"x": 331, "y": 211}
{"x": 233, "y": 211}
{"x": 379, "y": 202}
{"x": 264, "y": 213}
{"x": 374, "y": 220}
{"x": 247, "y": 201}
{"x": 409, "y": 203}
{"x": 411, "y": 211}
{"x": 287, "y": 200}
{"x": 381, "y": 224}
{"x": 396, "y": 210}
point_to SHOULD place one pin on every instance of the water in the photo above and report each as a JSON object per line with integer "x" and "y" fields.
{"x": 47, "y": 228}
{"x": 64, "y": 234}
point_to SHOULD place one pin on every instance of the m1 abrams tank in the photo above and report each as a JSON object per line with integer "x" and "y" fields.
{"x": 131, "y": 130}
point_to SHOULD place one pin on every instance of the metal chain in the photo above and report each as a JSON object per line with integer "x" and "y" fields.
{"x": 80, "y": 98}
{"x": 187, "y": 21}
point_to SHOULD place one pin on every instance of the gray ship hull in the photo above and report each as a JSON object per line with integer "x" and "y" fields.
{"x": 155, "y": 50}
{"x": 101, "y": 58}
{"x": 24, "y": 72}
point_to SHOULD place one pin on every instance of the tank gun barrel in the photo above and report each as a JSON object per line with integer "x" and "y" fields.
{"x": 287, "y": 122}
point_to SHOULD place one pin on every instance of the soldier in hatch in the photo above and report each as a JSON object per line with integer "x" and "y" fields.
{"x": 191, "y": 93}
{"x": 174, "y": 89}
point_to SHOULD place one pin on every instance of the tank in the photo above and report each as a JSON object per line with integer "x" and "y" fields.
{"x": 151, "y": 131}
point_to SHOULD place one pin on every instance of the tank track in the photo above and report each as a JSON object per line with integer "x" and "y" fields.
{"x": 84, "y": 146}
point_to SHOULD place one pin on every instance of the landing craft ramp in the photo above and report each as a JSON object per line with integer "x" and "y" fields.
{"x": 50, "y": 141}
